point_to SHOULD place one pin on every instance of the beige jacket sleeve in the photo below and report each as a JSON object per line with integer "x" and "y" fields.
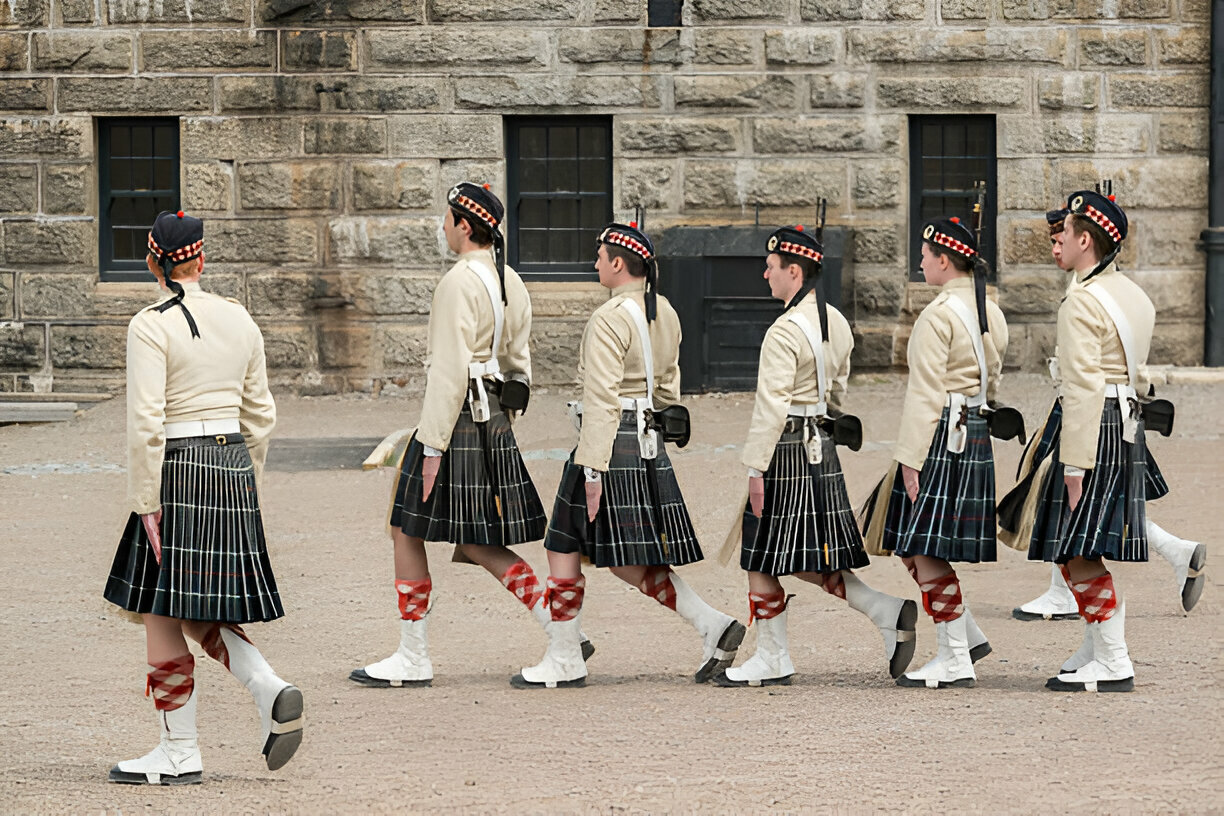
{"x": 775, "y": 387}
{"x": 839, "y": 377}
{"x": 667, "y": 381}
{"x": 604, "y": 345}
{"x": 515, "y": 355}
{"x": 146, "y": 410}
{"x": 1080, "y": 322}
{"x": 925, "y": 393}
{"x": 257, "y": 416}
{"x": 452, "y": 336}
{"x": 995, "y": 344}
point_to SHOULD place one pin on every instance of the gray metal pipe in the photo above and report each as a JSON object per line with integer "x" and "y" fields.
{"x": 1213, "y": 236}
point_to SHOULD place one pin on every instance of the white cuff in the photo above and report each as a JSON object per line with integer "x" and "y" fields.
{"x": 592, "y": 475}
{"x": 430, "y": 451}
{"x": 753, "y": 473}
{"x": 1072, "y": 470}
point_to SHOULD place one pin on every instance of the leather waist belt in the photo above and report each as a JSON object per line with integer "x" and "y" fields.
{"x": 201, "y": 427}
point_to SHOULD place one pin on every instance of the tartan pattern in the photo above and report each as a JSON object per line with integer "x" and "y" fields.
{"x": 626, "y": 531}
{"x": 1096, "y": 598}
{"x": 483, "y": 494}
{"x": 806, "y": 523}
{"x": 657, "y": 583}
{"x": 762, "y": 606}
{"x": 413, "y": 598}
{"x": 953, "y": 517}
{"x": 942, "y": 599}
{"x": 1109, "y": 520}
{"x": 171, "y": 682}
{"x": 214, "y": 560}
{"x": 565, "y": 597}
{"x": 523, "y": 584}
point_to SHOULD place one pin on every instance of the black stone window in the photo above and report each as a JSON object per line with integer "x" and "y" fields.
{"x": 947, "y": 155}
{"x": 663, "y": 13}
{"x": 559, "y": 185}
{"x": 138, "y": 177}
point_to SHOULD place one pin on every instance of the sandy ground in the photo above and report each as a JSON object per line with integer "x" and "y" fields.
{"x": 641, "y": 737}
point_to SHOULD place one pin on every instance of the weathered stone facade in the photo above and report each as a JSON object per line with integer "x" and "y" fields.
{"x": 318, "y": 138}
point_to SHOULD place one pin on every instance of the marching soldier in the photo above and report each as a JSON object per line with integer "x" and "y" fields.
{"x": 937, "y": 505}
{"x": 192, "y": 560}
{"x": 462, "y": 479}
{"x": 619, "y": 505}
{"x": 798, "y": 520}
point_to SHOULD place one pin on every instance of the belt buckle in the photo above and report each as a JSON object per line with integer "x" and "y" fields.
{"x": 221, "y": 439}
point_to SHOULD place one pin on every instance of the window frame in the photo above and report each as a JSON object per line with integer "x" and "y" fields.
{"x": 990, "y": 242}
{"x": 130, "y": 270}
{"x": 582, "y": 270}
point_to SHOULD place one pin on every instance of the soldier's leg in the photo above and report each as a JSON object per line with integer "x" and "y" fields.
{"x": 410, "y": 665}
{"x": 941, "y": 598}
{"x": 1110, "y": 668}
{"x": 979, "y": 646}
{"x": 771, "y": 664}
{"x": 894, "y": 617}
{"x": 1186, "y": 557}
{"x": 564, "y": 663}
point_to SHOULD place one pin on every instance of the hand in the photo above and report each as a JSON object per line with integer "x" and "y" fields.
{"x": 594, "y": 495}
{"x": 429, "y": 474}
{"x": 909, "y": 477}
{"x": 152, "y": 525}
{"x": 1075, "y": 489}
{"x": 756, "y": 495}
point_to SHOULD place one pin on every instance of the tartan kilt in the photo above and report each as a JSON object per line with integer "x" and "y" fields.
{"x": 214, "y": 560}
{"x": 642, "y": 519}
{"x": 953, "y": 517}
{"x": 1109, "y": 520}
{"x": 483, "y": 494}
{"x": 807, "y": 523}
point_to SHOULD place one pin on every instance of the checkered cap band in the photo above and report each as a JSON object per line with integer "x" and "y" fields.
{"x": 179, "y": 255}
{"x": 1102, "y": 221}
{"x": 799, "y": 249}
{"x": 475, "y": 209}
{"x": 943, "y": 239}
{"x": 627, "y": 241}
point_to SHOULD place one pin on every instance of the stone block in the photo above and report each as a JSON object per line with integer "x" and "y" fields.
{"x": 929, "y": 93}
{"x": 403, "y": 347}
{"x": 81, "y": 51}
{"x": 752, "y": 92}
{"x": 72, "y": 295}
{"x": 451, "y": 46}
{"x": 25, "y": 13}
{"x": 1143, "y": 181}
{"x": 800, "y": 46}
{"x": 553, "y": 345}
{"x": 1196, "y": 10}
{"x": 318, "y": 50}
{"x": 230, "y": 138}
{"x": 262, "y": 240}
{"x": 405, "y": 241}
{"x": 1183, "y": 133}
{"x": 826, "y": 134}
{"x": 283, "y": 94}
{"x": 638, "y": 46}
{"x": 1069, "y": 91}
{"x": 493, "y": 172}
{"x": 555, "y": 91}
{"x": 177, "y": 11}
{"x": 23, "y": 346}
{"x": 651, "y": 184}
{"x": 821, "y": 10}
{"x": 1024, "y": 240}
{"x": 1179, "y": 344}
{"x": 1095, "y": 10}
{"x": 879, "y": 184}
{"x": 943, "y": 45}
{"x": 1026, "y": 184}
{"x": 1113, "y": 47}
{"x": 1019, "y": 135}
{"x": 88, "y": 347}
{"x": 1030, "y": 345}
{"x": 1189, "y": 45}
{"x": 1026, "y": 9}
{"x": 289, "y": 186}
{"x": 281, "y": 293}
{"x": 18, "y": 189}
{"x": 67, "y": 189}
{"x": 1145, "y": 91}
{"x": 878, "y": 293}
{"x": 1032, "y": 294}
{"x": 185, "y": 51}
{"x": 208, "y": 186}
{"x": 712, "y": 184}
{"x": 1106, "y": 133}
{"x": 391, "y": 185}
{"x": 618, "y": 11}
{"x": 572, "y": 299}
{"x": 340, "y": 11}
{"x": 389, "y": 293}
{"x": 14, "y": 52}
{"x": 346, "y": 136}
{"x": 676, "y": 135}
{"x": 290, "y": 347}
{"x": 1177, "y": 294}
{"x": 445, "y": 137}
{"x": 875, "y": 348}
{"x": 838, "y": 90}
{"x": 346, "y": 346}
{"x": 1168, "y": 240}
{"x": 163, "y": 95}
{"x": 22, "y": 95}
{"x": 962, "y": 10}
{"x": 717, "y": 46}
{"x": 77, "y": 12}
{"x": 488, "y": 11}
{"x": 328, "y": 94}
{"x": 720, "y": 11}
{"x": 878, "y": 244}
{"x": 8, "y": 300}
{"x": 39, "y": 242}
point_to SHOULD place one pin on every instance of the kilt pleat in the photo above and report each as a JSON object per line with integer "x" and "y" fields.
{"x": 214, "y": 559}
{"x": 1109, "y": 520}
{"x": 807, "y": 523}
{"x": 483, "y": 494}
{"x": 642, "y": 518}
{"x": 953, "y": 517}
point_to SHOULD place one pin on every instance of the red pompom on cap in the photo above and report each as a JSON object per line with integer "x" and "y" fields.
{"x": 179, "y": 213}
{"x": 486, "y": 185}
{"x": 798, "y": 228}
{"x": 954, "y": 220}
{"x": 1111, "y": 198}
{"x": 633, "y": 224}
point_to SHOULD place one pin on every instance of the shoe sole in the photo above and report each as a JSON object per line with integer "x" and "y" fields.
{"x": 360, "y": 676}
{"x": 964, "y": 682}
{"x": 1193, "y": 589}
{"x": 588, "y": 649}
{"x": 1054, "y": 684}
{"x": 286, "y": 734}
{"x": 520, "y": 682}
{"x": 726, "y": 682}
{"x": 979, "y": 651}
{"x": 903, "y": 652}
{"x": 126, "y": 778}
{"x": 728, "y": 643}
{"x": 1020, "y": 614}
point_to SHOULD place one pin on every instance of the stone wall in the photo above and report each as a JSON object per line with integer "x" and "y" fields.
{"x": 318, "y": 138}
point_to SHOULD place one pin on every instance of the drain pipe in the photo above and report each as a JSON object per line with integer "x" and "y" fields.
{"x": 1213, "y": 236}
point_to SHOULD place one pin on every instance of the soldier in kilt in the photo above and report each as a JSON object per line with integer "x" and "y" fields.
{"x": 1186, "y": 557}
{"x": 798, "y": 520}
{"x": 193, "y": 560}
{"x": 462, "y": 479}
{"x": 619, "y": 505}
{"x": 937, "y": 505}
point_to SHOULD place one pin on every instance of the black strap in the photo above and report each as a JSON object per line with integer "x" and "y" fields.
{"x": 499, "y": 260}
{"x": 813, "y": 286}
{"x": 652, "y": 284}
{"x": 979, "y": 294}
{"x": 1106, "y": 261}
{"x": 177, "y": 288}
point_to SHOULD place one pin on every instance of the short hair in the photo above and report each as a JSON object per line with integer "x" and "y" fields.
{"x": 1101, "y": 241}
{"x": 810, "y": 266}
{"x": 958, "y": 260}
{"x": 633, "y": 261}
{"x": 482, "y": 235}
